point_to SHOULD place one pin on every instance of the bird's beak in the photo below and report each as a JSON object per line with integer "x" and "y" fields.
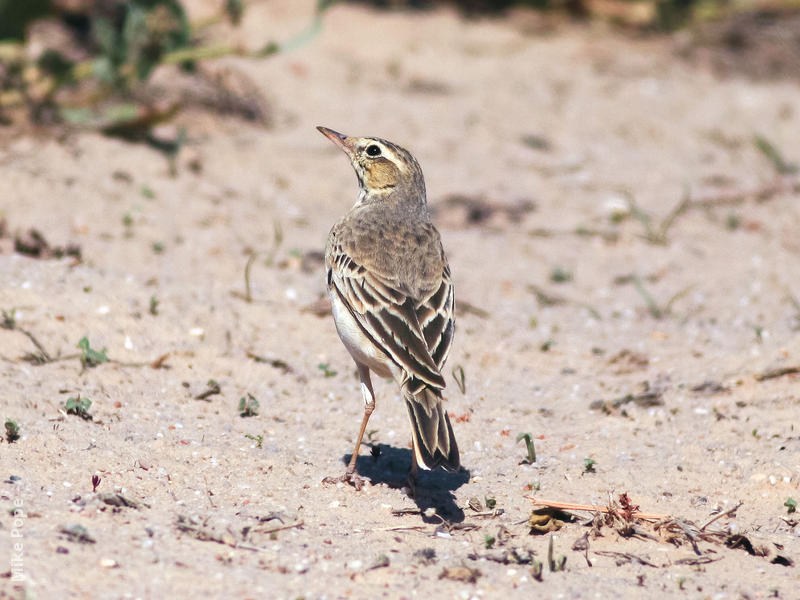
{"x": 344, "y": 142}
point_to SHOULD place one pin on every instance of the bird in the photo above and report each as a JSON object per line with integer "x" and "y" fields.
{"x": 392, "y": 296}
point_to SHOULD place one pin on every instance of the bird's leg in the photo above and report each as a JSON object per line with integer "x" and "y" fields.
{"x": 412, "y": 473}
{"x": 350, "y": 475}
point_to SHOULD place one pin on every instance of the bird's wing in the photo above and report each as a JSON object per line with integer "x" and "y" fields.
{"x": 416, "y": 334}
{"x": 435, "y": 314}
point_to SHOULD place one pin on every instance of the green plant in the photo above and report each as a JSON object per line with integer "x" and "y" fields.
{"x": 119, "y": 43}
{"x": 556, "y": 563}
{"x": 9, "y": 320}
{"x": 89, "y": 356}
{"x": 490, "y": 503}
{"x": 130, "y": 49}
{"x": 791, "y": 505}
{"x": 461, "y": 378}
{"x": 658, "y": 234}
{"x": 258, "y": 438}
{"x": 12, "y": 431}
{"x": 80, "y": 407}
{"x": 248, "y": 406}
{"x": 536, "y": 569}
{"x": 654, "y": 308}
{"x": 773, "y": 155}
{"x": 589, "y": 465}
{"x": 488, "y": 541}
{"x": 154, "y": 302}
{"x": 326, "y": 370}
{"x": 559, "y": 275}
{"x": 529, "y": 445}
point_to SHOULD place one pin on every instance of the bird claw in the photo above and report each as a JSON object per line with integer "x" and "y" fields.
{"x": 411, "y": 485}
{"x": 353, "y": 479}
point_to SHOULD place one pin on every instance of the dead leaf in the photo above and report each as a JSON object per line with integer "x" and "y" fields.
{"x": 465, "y": 574}
{"x": 547, "y": 519}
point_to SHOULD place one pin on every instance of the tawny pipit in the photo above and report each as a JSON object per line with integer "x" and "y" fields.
{"x": 392, "y": 296}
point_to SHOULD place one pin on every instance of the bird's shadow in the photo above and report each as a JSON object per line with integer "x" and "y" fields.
{"x": 434, "y": 489}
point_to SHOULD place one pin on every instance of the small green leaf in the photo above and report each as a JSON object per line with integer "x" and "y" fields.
{"x": 791, "y": 505}
{"x": 89, "y": 356}
{"x": 461, "y": 378}
{"x": 248, "y": 406}
{"x": 234, "y": 9}
{"x": 9, "y": 320}
{"x": 258, "y": 439}
{"x": 12, "y": 431}
{"x": 326, "y": 370}
{"x": 559, "y": 275}
{"x": 529, "y": 446}
{"x": 80, "y": 407}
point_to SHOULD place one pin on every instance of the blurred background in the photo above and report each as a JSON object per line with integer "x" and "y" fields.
{"x": 91, "y": 63}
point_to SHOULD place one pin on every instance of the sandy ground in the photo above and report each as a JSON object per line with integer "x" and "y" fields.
{"x": 544, "y": 135}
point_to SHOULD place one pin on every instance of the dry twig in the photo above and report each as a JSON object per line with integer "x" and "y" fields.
{"x": 593, "y": 508}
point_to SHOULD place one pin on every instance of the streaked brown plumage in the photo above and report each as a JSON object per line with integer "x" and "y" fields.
{"x": 392, "y": 295}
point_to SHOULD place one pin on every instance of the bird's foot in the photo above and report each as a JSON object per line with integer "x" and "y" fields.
{"x": 349, "y": 477}
{"x": 411, "y": 484}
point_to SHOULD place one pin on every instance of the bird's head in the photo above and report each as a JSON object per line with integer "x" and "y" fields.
{"x": 382, "y": 168}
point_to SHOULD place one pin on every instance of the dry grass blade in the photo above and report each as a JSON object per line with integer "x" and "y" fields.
{"x": 657, "y": 235}
{"x": 248, "y": 295}
{"x": 467, "y": 308}
{"x": 545, "y": 298}
{"x": 762, "y": 193}
{"x": 694, "y": 561}
{"x": 44, "y": 355}
{"x": 728, "y": 513}
{"x": 775, "y": 373}
{"x": 622, "y": 558}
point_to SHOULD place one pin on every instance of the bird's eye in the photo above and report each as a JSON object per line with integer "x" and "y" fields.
{"x": 373, "y": 150}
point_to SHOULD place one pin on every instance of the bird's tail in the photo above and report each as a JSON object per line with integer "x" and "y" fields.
{"x": 434, "y": 441}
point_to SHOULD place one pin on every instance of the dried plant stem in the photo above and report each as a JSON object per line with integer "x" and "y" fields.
{"x": 592, "y": 508}
{"x": 248, "y": 295}
{"x": 45, "y": 355}
{"x": 727, "y": 513}
{"x": 280, "y": 528}
{"x": 762, "y": 193}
